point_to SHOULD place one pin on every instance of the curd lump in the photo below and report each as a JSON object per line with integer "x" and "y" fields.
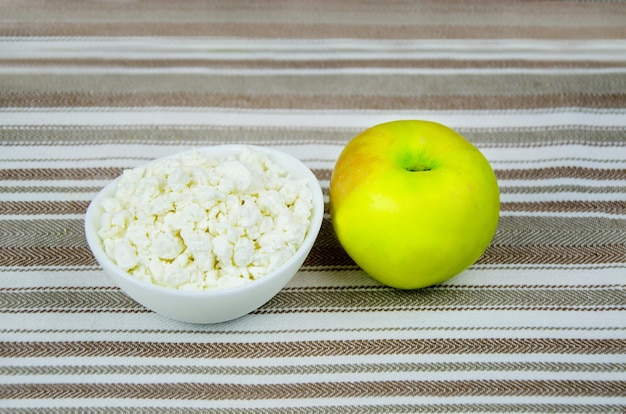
{"x": 199, "y": 222}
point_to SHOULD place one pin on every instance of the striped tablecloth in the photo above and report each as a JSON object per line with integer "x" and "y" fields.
{"x": 88, "y": 89}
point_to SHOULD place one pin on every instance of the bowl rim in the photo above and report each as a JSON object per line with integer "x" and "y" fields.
{"x": 95, "y": 243}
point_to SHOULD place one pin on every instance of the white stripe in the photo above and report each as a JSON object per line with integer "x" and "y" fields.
{"x": 565, "y": 215}
{"x": 308, "y": 49}
{"x": 435, "y": 333}
{"x": 322, "y": 155}
{"x": 556, "y": 155}
{"x": 363, "y": 325}
{"x": 129, "y": 153}
{"x": 314, "y": 403}
{"x": 477, "y": 275}
{"x": 565, "y": 196}
{"x": 504, "y": 197}
{"x": 61, "y": 196}
{"x": 54, "y": 277}
{"x": 308, "y": 118}
{"x": 321, "y": 377}
{"x": 374, "y": 70}
{"x": 316, "y": 360}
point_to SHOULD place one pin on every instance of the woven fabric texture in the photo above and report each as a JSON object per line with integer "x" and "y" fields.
{"x": 537, "y": 324}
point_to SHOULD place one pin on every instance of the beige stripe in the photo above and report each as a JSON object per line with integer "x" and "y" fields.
{"x": 191, "y": 135}
{"x": 265, "y": 101}
{"x": 546, "y": 136}
{"x": 339, "y": 300}
{"x": 327, "y": 253}
{"x": 307, "y": 31}
{"x": 351, "y": 407}
{"x": 46, "y": 256}
{"x": 64, "y": 300}
{"x": 556, "y": 14}
{"x": 454, "y": 299}
{"x": 286, "y": 370}
{"x": 194, "y": 135}
{"x": 286, "y": 349}
{"x": 520, "y": 230}
{"x": 529, "y": 230}
{"x": 120, "y": 87}
{"x": 217, "y": 391}
{"x": 512, "y": 230}
{"x": 606, "y": 207}
{"x": 612, "y": 253}
{"x": 43, "y": 232}
{"x": 568, "y": 248}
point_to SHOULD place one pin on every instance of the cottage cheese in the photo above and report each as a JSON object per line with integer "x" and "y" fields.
{"x": 198, "y": 222}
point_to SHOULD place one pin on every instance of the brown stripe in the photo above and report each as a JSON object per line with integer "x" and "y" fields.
{"x": 79, "y": 207}
{"x": 316, "y": 63}
{"x": 562, "y": 172}
{"x": 285, "y": 349}
{"x": 54, "y": 174}
{"x": 566, "y": 188}
{"x": 46, "y": 256}
{"x": 422, "y": 299}
{"x": 607, "y": 207}
{"x": 296, "y": 101}
{"x": 43, "y": 207}
{"x": 220, "y": 391}
{"x": 400, "y": 13}
{"x": 591, "y": 207}
{"x": 338, "y": 300}
{"x": 333, "y": 255}
{"x": 327, "y": 252}
{"x": 545, "y": 136}
{"x": 512, "y": 230}
{"x": 547, "y": 173}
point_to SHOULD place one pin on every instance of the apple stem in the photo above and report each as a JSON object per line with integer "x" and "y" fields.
{"x": 419, "y": 168}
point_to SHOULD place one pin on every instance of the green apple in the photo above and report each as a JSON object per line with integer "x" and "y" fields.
{"x": 413, "y": 203}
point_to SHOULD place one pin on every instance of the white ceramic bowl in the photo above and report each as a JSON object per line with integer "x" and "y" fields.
{"x": 217, "y": 305}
